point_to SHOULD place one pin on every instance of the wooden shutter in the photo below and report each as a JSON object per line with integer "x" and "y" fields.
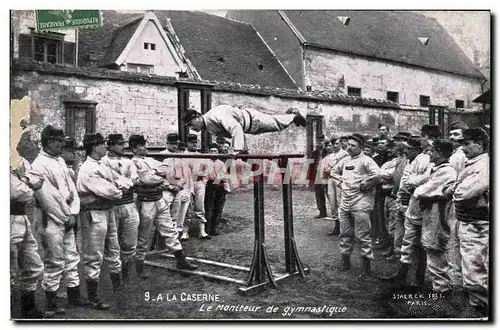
{"x": 69, "y": 53}
{"x": 25, "y": 46}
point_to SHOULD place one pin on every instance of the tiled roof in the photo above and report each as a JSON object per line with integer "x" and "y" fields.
{"x": 121, "y": 37}
{"x": 225, "y": 50}
{"x": 389, "y": 35}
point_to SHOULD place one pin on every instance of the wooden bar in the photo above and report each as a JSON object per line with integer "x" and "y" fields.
{"x": 260, "y": 286}
{"x": 211, "y": 262}
{"x": 196, "y": 272}
{"x": 217, "y": 156}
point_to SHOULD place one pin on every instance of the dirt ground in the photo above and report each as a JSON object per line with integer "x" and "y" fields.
{"x": 345, "y": 295}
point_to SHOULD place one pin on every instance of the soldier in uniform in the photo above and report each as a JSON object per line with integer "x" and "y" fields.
{"x": 471, "y": 199}
{"x": 99, "y": 191}
{"x": 232, "y": 122}
{"x": 192, "y": 142}
{"x": 319, "y": 189}
{"x": 435, "y": 200}
{"x": 58, "y": 206}
{"x": 358, "y": 175}
{"x": 343, "y": 142}
{"x": 155, "y": 193}
{"x": 23, "y": 245}
{"x": 458, "y": 161}
{"x": 417, "y": 173}
{"x": 125, "y": 209}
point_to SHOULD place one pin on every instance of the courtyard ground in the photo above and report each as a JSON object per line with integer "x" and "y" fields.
{"x": 346, "y": 295}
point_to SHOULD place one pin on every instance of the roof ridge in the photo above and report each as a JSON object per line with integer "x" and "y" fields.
{"x": 221, "y": 17}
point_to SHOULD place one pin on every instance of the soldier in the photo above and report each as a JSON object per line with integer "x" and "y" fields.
{"x": 192, "y": 143}
{"x": 416, "y": 174}
{"x": 232, "y": 122}
{"x": 99, "y": 191}
{"x": 458, "y": 161}
{"x": 343, "y": 142}
{"x": 125, "y": 209}
{"x": 471, "y": 199}
{"x": 383, "y": 131}
{"x": 59, "y": 205}
{"x": 330, "y": 162}
{"x": 69, "y": 157}
{"x": 319, "y": 189}
{"x": 368, "y": 149}
{"x": 22, "y": 243}
{"x": 155, "y": 193}
{"x": 358, "y": 175}
{"x": 435, "y": 200}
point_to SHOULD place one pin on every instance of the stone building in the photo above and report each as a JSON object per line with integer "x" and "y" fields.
{"x": 138, "y": 73}
{"x": 401, "y": 56}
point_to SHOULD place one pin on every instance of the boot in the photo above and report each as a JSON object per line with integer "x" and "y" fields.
{"x": 366, "y": 262}
{"x": 182, "y": 263}
{"x": 29, "y": 309}
{"x": 421, "y": 267}
{"x": 203, "y": 233}
{"x": 400, "y": 276}
{"x": 139, "y": 269}
{"x": 51, "y": 297}
{"x": 116, "y": 280}
{"x": 336, "y": 230}
{"x": 74, "y": 297}
{"x": 94, "y": 300}
{"x": 125, "y": 271}
{"x": 346, "y": 262}
{"x": 185, "y": 236}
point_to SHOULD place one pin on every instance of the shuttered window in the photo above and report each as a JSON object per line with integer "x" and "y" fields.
{"x": 47, "y": 49}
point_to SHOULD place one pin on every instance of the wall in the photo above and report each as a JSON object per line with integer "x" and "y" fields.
{"x": 22, "y": 21}
{"x": 375, "y": 78}
{"x": 122, "y": 107}
{"x": 161, "y": 58}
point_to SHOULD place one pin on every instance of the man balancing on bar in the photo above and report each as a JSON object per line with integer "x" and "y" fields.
{"x": 231, "y": 122}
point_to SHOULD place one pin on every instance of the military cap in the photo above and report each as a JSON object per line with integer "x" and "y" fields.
{"x": 321, "y": 136}
{"x": 70, "y": 143}
{"x": 390, "y": 143}
{"x": 443, "y": 146}
{"x": 135, "y": 140}
{"x": 182, "y": 146}
{"x": 368, "y": 145}
{"x": 402, "y": 136}
{"x": 375, "y": 140}
{"x": 475, "y": 134}
{"x": 433, "y": 131}
{"x": 357, "y": 137}
{"x": 93, "y": 139}
{"x": 344, "y": 137}
{"x": 458, "y": 125}
{"x": 173, "y": 137}
{"x": 382, "y": 125}
{"x": 333, "y": 139}
{"x": 50, "y": 132}
{"x": 116, "y": 139}
{"x": 412, "y": 143}
{"x": 189, "y": 115}
{"x": 192, "y": 138}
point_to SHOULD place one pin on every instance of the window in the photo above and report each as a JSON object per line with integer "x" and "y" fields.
{"x": 149, "y": 46}
{"x": 47, "y": 48}
{"x": 140, "y": 68}
{"x": 459, "y": 104}
{"x": 425, "y": 100}
{"x": 353, "y": 91}
{"x": 393, "y": 96}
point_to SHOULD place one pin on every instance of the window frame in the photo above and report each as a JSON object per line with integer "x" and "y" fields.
{"x": 424, "y": 97}
{"x": 141, "y": 67}
{"x": 46, "y": 37}
{"x": 393, "y": 93}
{"x": 456, "y": 104}
{"x": 352, "y": 88}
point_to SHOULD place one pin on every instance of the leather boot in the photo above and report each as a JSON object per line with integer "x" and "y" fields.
{"x": 366, "y": 263}
{"x": 75, "y": 298}
{"x": 421, "y": 267}
{"x": 139, "y": 269}
{"x": 125, "y": 271}
{"x": 51, "y": 297}
{"x": 346, "y": 262}
{"x": 116, "y": 280}
{"x": 400, "y": 276}
{"x": 182, "y": 263}
{"x": 29, "y": 309}
{"x": 94, "y": 300}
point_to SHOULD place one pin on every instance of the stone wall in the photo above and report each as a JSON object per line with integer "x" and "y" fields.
{"x": 136, "y": 104}
{"x": 325, "y": 70}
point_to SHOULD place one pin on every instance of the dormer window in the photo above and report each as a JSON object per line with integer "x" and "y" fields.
{"x": 149, "y": 46}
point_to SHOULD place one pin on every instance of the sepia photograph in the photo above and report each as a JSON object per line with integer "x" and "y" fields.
{"x": 250, "y": 164}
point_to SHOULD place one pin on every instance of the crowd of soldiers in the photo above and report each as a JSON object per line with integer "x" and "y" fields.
{"x": 419, "y": 198}
{"x": 121, "y": 206}
{"x": 422, "y": 199}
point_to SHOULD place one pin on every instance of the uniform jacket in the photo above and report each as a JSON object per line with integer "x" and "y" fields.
{"x": 387, "y": 173}
{"x": 58, "y": 196}
{"x": 19, "y": 192}
{"x": 356, "y": 173}
{"x": 473, "y": 182}
{"x": 435, "y": 202}
{"x": 458, "y": 159}
{"x": 331, "y": 160}
{"x": 228, "y": 122}
{"x": 418, "y": 173}
{"x": 94, "y": 178}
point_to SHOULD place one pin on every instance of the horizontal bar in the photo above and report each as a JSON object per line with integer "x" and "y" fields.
{"x": 218, "y": 156}
{"x": 196, "y": 272}
{"x": 265, "y": 284}
{"x": 155, "y": 252}
{"x": 211, "y": 262}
